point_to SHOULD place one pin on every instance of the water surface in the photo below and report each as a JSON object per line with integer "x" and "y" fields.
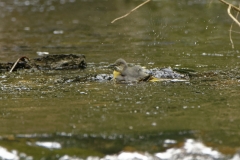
{"x": 93, "y": 118}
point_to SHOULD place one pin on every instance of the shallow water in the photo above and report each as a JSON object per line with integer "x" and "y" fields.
{"x": 92, "y": 118}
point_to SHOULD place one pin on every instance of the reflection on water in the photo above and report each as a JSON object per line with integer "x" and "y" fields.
{"x": 101, "y": 118}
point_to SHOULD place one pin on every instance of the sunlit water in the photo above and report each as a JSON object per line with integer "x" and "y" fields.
{"x": 48, "y": 115}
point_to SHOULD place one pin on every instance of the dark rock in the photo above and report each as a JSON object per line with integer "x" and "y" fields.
{"x": 48, "y": 62}
{"x": 60, "y": 62}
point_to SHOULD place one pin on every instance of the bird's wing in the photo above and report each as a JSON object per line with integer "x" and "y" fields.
{"x": 135, "y": 73}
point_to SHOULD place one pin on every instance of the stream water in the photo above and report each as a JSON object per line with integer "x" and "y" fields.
{"x": 81, "y": 119}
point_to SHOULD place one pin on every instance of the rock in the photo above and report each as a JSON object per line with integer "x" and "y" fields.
{"x": 47, "y": 62}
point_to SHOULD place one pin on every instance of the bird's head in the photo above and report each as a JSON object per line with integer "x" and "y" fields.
{"x": 119, "y": 65}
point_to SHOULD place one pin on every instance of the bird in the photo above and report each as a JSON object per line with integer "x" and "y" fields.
{"x": 124, "y": 73}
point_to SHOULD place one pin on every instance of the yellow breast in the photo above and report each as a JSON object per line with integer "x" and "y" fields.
{"x": 115, "y": 74}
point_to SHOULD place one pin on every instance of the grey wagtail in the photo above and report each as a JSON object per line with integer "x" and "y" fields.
{"x": 123, "y": 73}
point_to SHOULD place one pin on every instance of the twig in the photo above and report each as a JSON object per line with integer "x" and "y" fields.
{"x": 234, "y": 7}
{"x": 230, "y": 31}
{"x": 230, "y": 6}
{"x": 229, "y": 13}
{"x": 14, "y": 65}
{"x": 131, "y": 11}
{"x": 230, "y": 36}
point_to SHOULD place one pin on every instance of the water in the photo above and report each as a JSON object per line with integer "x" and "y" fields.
{"x": 102, "y": 118}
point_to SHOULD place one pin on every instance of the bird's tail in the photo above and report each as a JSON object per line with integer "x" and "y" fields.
{"x": 153, "y": 79}
{"x": 150, "y": 78}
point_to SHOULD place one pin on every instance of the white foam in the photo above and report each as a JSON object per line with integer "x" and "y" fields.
{"x": 170, "y": 141}
{"x": 190, "y": 150}
{"x": 6, "y": 155}
{"x": 236, "y": 157}
{"x": 42, "y": 53}
{"x": 134, "y": 155}
{"x": 49, "y": 145}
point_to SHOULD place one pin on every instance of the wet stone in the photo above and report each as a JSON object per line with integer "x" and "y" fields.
{"x": 60, "y": 62}
{"x": 166, "y": 73}
{"x": 47, "y": 62}
{"x": 102, "y": 77}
